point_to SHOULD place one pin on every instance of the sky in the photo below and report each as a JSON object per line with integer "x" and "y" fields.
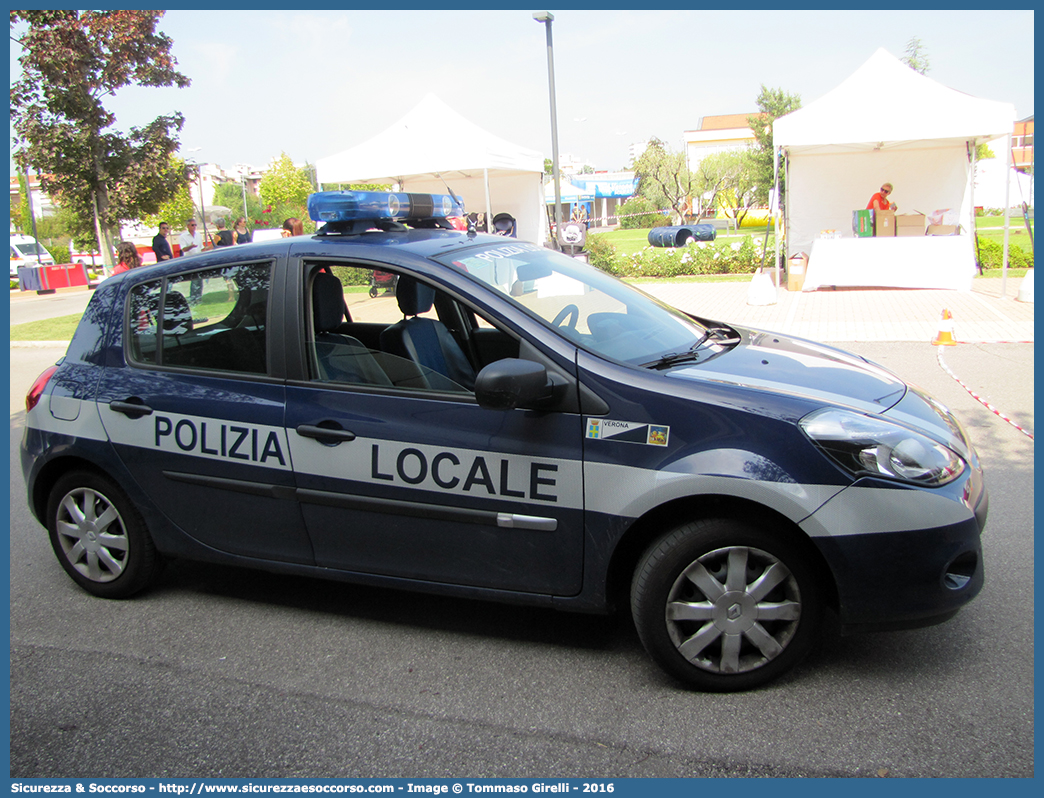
{"x": 314, "y": 83}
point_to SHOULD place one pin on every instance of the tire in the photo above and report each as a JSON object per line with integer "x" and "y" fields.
{"x": 373, "y": 292}
{"x": 722, "y": 605}
{"x": 99, "y": 537}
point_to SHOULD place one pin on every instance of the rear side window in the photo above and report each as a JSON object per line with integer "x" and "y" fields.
{"x": 213, "y": 320}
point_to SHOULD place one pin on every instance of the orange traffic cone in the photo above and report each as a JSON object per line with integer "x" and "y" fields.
{"x": 945, "y": 336}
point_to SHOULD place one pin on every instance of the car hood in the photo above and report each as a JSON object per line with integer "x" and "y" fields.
{"x": 796, "y": 367}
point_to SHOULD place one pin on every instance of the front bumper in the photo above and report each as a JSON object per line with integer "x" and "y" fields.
{"x": 906, "y": 578}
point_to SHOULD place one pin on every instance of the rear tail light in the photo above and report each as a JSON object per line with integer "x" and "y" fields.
{"x": 33, "y": 397}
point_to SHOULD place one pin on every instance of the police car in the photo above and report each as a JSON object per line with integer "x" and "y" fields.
{"x": 530, "y": 430}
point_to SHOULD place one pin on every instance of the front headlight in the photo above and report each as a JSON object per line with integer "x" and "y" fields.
{"x": 866, "y": 445}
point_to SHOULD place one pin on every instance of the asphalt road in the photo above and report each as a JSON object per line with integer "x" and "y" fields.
{"x": 30, "y": 306}
{"x": 221, "y": 672}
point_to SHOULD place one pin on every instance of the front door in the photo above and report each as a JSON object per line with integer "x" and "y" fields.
{"x": 408, "y": 477}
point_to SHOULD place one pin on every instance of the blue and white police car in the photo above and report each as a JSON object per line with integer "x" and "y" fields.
{"x": 531, "y": 430}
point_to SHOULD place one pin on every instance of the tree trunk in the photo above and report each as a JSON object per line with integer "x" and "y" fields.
{"x": 106, "y": 244}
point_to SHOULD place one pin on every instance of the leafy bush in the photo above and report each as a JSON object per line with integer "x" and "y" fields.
{"x": 354, "y": 276}
{"x": 639, "y": 213}
{"x": 991, "y": 255}
{"x": 59, "y": 252}
{"x": 741, "y": 257}
{"x": 600, "y": 252}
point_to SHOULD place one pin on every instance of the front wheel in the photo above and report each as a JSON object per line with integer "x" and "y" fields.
{"x": 99, "y": 537}
{"x": 724, "y": 606}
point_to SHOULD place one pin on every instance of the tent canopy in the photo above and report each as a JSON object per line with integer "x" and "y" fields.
{"x": 889, "y": 123}
{"x": 886, "y": 104}
{"x": 433, "y": 146}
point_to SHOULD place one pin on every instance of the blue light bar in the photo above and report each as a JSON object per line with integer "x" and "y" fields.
{"x": 348, "y": 206}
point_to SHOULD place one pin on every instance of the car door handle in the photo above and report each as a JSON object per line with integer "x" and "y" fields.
{"x": 325, "y": 434}
{"x": 134, "y": 409}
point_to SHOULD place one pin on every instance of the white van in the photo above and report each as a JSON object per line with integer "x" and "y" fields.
{"x": 24, "y": 251}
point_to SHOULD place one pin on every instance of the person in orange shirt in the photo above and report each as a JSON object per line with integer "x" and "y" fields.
{"x": 879, "y": 202}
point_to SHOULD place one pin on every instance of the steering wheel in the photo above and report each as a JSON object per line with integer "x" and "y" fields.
{"x": 572, "y": 312}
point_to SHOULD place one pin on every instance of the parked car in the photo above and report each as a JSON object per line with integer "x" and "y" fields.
{"x": 27, "y": 251}
{"x": 531, "y": 430}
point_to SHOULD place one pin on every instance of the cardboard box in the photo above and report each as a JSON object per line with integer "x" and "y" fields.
{"x": 909, "y": 224}
{"x": 942, "y": 230}
{"x": 884, "y": 223}
{"x": 796, "y": 267}
{"x": 863, "y": 223}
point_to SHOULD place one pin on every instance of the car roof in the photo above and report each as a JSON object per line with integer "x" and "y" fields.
{"x": 420, "y": 243}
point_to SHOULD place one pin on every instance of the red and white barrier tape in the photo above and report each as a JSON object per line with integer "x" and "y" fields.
{"x": 979, "y": 399}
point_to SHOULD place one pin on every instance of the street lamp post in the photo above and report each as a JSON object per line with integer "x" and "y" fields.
{"x": 547, "y": 18}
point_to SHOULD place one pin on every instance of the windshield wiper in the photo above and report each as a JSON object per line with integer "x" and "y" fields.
{"x": 673, "y": 358}
{"x": 723, "y": 335}
{"x": 720, "y": 335}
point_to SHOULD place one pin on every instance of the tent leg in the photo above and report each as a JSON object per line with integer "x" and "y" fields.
{"x": 1007, "y": 215}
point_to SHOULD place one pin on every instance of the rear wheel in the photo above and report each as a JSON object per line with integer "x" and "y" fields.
{"x": 723, "y": 605}
{"x": 99, "y": 536}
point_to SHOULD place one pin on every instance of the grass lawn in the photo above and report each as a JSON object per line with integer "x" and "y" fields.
{"x": 628, "y": 242}
{"x": 60, "y": 328}
{"x": 992, "y": 227}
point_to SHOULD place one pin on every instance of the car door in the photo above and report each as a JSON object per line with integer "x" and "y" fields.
{"x": 196, "y": 417}
{"x": 402, "y": 474}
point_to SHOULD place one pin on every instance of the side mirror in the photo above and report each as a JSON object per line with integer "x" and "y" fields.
{"x": 510, "y": 383}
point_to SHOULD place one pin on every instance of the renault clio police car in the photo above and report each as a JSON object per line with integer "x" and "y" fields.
{"x": 531, "y": 430}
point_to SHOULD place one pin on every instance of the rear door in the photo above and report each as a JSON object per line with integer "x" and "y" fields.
{"x": 196, "y": 416}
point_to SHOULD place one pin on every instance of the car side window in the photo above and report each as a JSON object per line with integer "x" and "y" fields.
{"x": 213, "y": 320}
{"x": 403, "y": 335}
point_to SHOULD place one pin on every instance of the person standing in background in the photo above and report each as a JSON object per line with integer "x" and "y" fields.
{"x": 243, "y": 236}
{"x": 128, "y": 258}
{"x": 292, "y": 227}
{"x": 190, "y": 241}
{"x": 223, "y": 237}
{"x": 879, "y": 202}
{"x": 160, "y": 244}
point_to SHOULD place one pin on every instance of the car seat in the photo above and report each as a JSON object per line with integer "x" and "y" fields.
{"x": 427, "y": 342}
{"x": 341, "y": 358}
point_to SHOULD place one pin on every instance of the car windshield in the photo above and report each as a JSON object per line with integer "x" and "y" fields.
{"x": 30, "y": 250}
{"x": 594, "y": 310}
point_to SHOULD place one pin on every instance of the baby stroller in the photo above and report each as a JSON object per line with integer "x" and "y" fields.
{"x": 381, "y": 280}
{"x": 504, "y": 225}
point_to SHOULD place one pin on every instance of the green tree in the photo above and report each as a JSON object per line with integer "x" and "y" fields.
{"x": 664, "y": 179}
{"x": 71, "y": 61}
{"x": 285, "y": 184}
{"x": 772, "y": 104}
{"x": 20, "y": 207}
{"x": 177, "y": 208}
{"x": 231, "y": 196}
{"x": 726, "y": 180}
{"x": 916, "y": 56}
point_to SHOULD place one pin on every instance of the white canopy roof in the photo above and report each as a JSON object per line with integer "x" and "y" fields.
{"x": 886, "y": 122}
{"x": 433, "y": 143}
{"x": 887, "y": 104}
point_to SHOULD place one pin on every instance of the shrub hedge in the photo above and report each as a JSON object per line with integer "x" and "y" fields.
{"x": 704, "y": 257}
{"x": 991, "y": 255}
{"x": 638, "y": 213}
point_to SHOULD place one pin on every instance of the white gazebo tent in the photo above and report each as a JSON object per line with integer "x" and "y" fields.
{"x": 886, "y": 122}
{"x": 433, "y": 147}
